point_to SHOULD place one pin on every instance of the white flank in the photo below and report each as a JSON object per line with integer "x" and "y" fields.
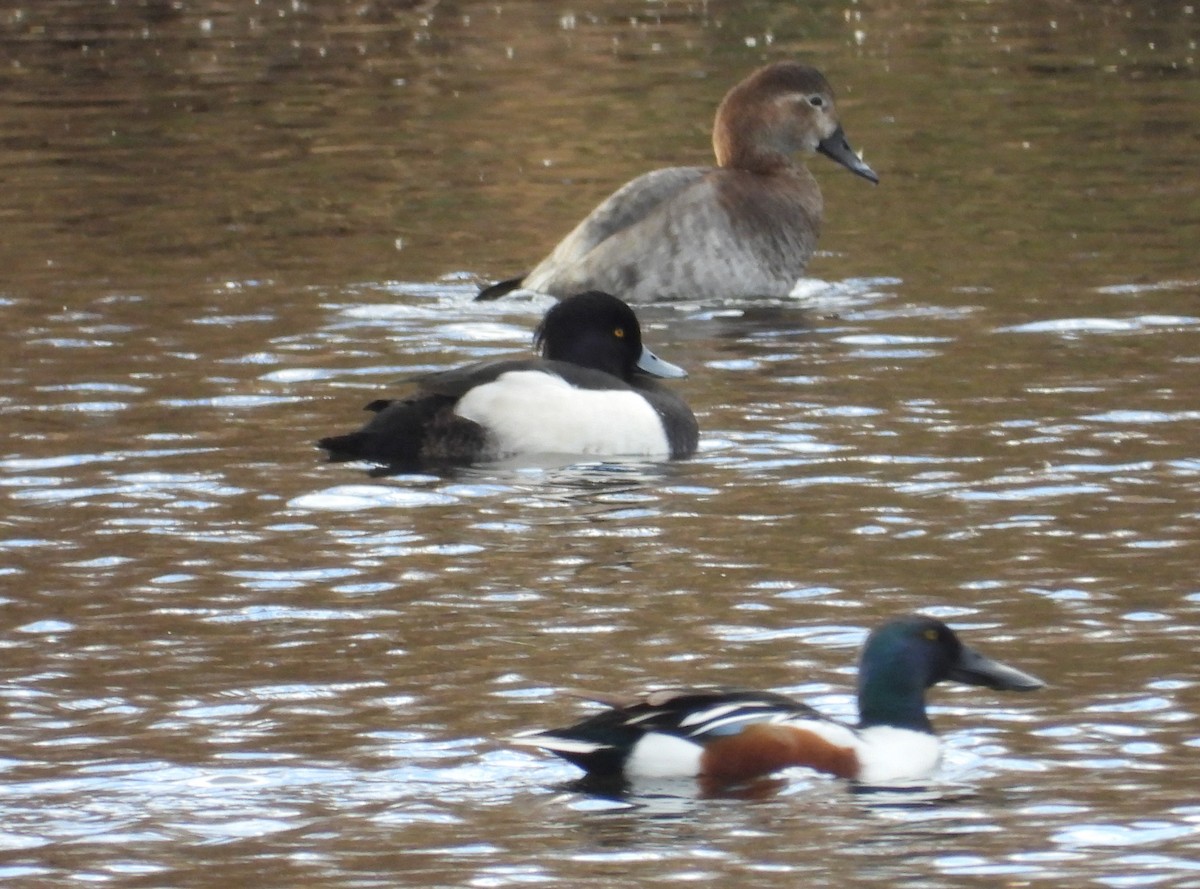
{"x": 530, "y": 412}
{"x": 656, "y": 755}
{"x": 889, "y": 754}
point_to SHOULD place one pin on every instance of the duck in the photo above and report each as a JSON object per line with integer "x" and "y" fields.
{"x": 744, "y": 228}
{"x": 591, "y": 392}
{"x": 732, "y": 736}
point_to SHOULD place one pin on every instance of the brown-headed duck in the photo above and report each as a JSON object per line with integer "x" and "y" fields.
{"x": 746, "y": 227}
{"x": 590, "y": 393}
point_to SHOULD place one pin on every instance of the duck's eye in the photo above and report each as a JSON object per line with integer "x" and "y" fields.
{"x": 931, "y": 635}
{"x": 619, "y": 332}
{"x": 816, "y": 101}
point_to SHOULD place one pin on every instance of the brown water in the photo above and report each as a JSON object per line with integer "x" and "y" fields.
{"x": 228, "y": 225}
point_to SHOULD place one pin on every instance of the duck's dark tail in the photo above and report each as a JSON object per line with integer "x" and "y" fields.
{"x": 499, "y": 289}
{"x": 393, "y": 435}
{"x": 408, "y": 434}
{"x": 351, "y": 446}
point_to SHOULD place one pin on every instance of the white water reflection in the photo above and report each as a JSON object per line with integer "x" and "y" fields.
{"x": 1137, "y": 324}
{"x": 226, "y": 658}
{"x": 357, "y": 497}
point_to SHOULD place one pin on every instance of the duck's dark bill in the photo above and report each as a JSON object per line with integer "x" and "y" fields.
{"x": 975, "y": 669}
{"x": 836, "y": 147}
{"x": 656, "y": 367}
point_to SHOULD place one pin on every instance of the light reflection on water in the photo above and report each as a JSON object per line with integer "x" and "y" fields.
{"x": 226, "y": 661}
{"x": 442, "y": 777}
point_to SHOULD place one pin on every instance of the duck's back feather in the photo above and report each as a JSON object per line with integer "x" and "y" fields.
{"x": 720, "y": 231}
{"x": 730, "y": 734}
{"x": 627, "y": 206}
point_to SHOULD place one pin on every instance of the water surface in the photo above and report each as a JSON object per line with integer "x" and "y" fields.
{"x": 228, "y": 226}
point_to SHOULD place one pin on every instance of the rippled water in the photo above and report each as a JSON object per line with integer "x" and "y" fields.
{"x": 228, "y": 227}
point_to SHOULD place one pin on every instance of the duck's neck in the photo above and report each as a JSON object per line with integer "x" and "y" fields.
{"x": 734, "y": 150}
{"x": 892, "y": 697}
{"x": 738, "y": 155}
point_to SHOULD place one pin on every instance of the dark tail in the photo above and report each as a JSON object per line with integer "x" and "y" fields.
{"x": 352, "y": 446}
{"x": 499, "y": 289}
{"x": 394, "y": 436}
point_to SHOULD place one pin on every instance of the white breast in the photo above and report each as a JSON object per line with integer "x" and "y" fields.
{"x": 888, "y": 755}
{"x": 528, "y": 412}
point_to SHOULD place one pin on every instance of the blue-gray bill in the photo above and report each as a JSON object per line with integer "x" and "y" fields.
{"x": 836, "y": 147}
{"x": 656, "y": 367}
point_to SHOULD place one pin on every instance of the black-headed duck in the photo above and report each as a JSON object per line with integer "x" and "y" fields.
{"x": 590, "y": 394}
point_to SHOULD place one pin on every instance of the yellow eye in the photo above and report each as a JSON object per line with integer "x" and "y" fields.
{"x": 619, "y": 333}
{"x": 931, "y": 635}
